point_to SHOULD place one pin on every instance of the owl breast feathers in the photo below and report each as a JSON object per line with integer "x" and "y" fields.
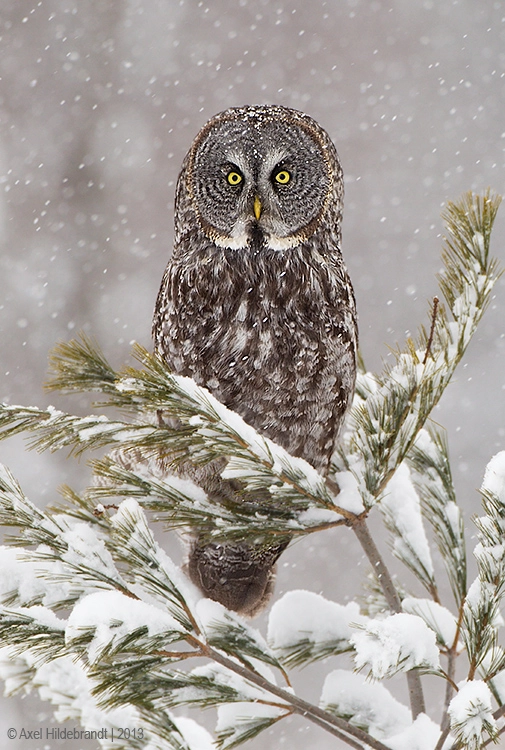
{"x": 256, "y": 305}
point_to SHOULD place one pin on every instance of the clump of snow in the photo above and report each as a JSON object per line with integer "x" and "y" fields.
{"x": 98, "y": 425}
{"x": 349, "y": 496}
{"x": 13, "y": 671}
{"x": 402, "y": 508}
{"x": 438, "y": 618}
{"x": 305, "y": 616}
{"x": 113, "y": 615}
{"x": 316, "y": 517}
{"x": 367, "y": 705}
{"x": 424, "y": 442}
{"x": 490, "y": 557}
{"x": 33, "y": 582}
{"x": 422, "y": 734}
{"x": 42, "y": 615}
{"x": 396, "y": 644}
{"x": 480, "y": 597}
{"x": 85, "y": 549}
{"x": 213, "y": 615}
{"x": 471, "y": 713}
{"x": 194, "y": 734}
{"x": 453, "y": 515}
{"x": 494, "y": 476}
{"x": 151, "y": 468}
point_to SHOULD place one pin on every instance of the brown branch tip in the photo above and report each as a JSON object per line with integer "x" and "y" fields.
{"x": 432, "y": 329}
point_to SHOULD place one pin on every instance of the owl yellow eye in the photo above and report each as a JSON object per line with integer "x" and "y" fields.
{"x": 234, "y": 178}
{"x": 282, "y": 177}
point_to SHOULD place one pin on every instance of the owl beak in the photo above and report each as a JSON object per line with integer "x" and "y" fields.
{"x": 257, "y": 207}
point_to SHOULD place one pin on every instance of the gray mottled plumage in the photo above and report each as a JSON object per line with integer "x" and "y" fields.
{"x": 257, "y": 306}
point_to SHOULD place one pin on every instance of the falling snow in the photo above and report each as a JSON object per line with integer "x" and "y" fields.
{"x": 98, "y": 107}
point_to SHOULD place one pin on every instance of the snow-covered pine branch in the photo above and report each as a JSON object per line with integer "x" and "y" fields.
{"x": 100, "y": 619}
{"x": 482, "y": 616}
{"x": 431, "y": 473}
{"x": 301, "y": 501}
{"x": 128, "y": 631}
{"x": 395, "y": 405}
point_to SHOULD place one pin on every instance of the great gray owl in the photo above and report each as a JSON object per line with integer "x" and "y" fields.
{"x": 257, "y": 306}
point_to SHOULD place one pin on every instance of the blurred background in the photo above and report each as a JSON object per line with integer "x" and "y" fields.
{"x": 99, "y": 102}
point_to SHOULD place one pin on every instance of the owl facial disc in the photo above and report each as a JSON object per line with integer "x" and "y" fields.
{"x": 260, "y": 179}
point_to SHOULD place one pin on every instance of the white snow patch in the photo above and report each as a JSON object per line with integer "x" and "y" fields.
{"x": 368, "y": 705}
{"x": 349, "y": 496}
{"x": 471, "y": 712}
{"x": 438, "y": 618}
{"x": 396, "y": 644}
{"x": 425, "y": 444}
{"x": 494, "y": 476}
{"x": 402, "y": 506}
{"x": 490, "y": 557}
{"x": 303, "y": 615}
{"x": 152, "y": 469}
{"x": 87, "y": 549}
{"x": 422, "y": 734}
{"x": 195, "y": 735}
{"x": 453, "y": 514}
{"x": 499, "y": 684}
{"x": 41, "y": 615}
{"x": 98, "y": 425}
{"x": 33, "y": 581}
{"x": 316, "y": 517}
{"x": 213, "y": 619}
{"x": 113, "y": 615}
{"x": 480, "y": 593}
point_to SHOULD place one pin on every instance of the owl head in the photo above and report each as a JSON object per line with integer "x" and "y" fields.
{"x": 262, "y": 176}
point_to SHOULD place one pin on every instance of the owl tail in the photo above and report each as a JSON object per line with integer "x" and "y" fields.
{"x": 239, "y": 575}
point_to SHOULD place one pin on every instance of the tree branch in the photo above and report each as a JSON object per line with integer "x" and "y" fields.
{"x": 432, "y": 329}
{"x": 383, "y": 575}
{"x": 450, "y": 688}
{"x": 327, "y": 721}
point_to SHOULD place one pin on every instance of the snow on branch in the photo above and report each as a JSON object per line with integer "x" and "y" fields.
{"x": 96, "y": 614}
{"x": 395, "y": 644}
{"x": 471, "y": 714}
{"x": 482, "y": 615}
{"x": 395, "y": 405}
{"x": 402, "y": 514}
{"x": 128, "y": 631}
{"x": 304, "y": 627}
{"x": 431, "y": 474}
{"x": 366, "y": 704}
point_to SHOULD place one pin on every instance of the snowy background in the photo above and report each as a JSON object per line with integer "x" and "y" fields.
{"x": 99, "y": 102}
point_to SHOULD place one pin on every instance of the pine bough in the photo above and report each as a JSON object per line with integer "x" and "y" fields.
{"x": 107, "y": 627}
